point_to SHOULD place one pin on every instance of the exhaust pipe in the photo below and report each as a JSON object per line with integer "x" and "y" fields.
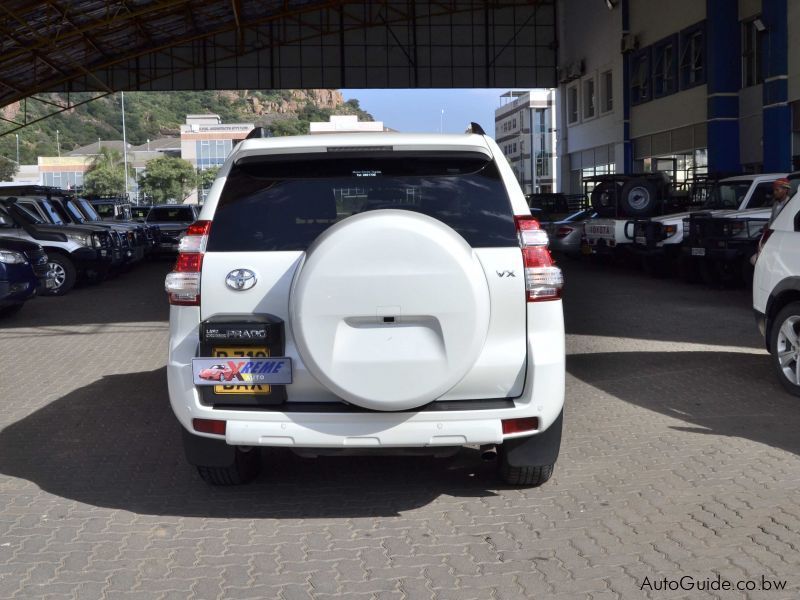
{"x": 488, "y": 453}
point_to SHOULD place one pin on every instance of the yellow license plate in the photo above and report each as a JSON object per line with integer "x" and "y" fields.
{"x": 242, "y": 351}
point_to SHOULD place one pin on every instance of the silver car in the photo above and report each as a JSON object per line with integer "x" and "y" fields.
{"x": 566, "y": 234}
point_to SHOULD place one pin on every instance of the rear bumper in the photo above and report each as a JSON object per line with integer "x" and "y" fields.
{"x": 542, "y": 397}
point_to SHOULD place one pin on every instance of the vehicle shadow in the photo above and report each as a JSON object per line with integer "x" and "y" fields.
{"x": 720, "y": 393}
{"x": 131, "y": 296}
{"x": 115, "y": 443}
{"x": 607, "y": 301}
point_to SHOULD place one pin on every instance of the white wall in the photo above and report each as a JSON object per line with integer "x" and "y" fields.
{"x": 751, "y": 125}
{"x": 673, "y": 111}
{"x": 653, "y": 20}
{"x": 592, "y": 33}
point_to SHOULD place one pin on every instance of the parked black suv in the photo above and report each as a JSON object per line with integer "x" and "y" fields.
{"x": 72, "y": 251}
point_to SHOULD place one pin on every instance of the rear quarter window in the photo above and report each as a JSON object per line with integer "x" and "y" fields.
{"x": 285, "y": 203}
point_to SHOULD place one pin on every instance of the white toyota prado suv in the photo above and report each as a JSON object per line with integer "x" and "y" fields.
{"x": 357, "y": 293}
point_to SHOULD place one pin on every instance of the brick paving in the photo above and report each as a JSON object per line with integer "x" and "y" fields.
{"x": 680, "y": 458}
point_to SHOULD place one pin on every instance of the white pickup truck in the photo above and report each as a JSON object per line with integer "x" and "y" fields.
{"x": 719, "y": 245}
{"x": 659, "y": 239}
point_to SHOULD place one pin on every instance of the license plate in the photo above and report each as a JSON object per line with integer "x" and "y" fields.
{"x": 242, "y": 363}
{"x": 598, "y": 230}
{"x": 698, "y": 251}
{"x": 640, "y": 239}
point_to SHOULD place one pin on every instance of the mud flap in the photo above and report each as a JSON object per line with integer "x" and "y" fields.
{"x": 538, "y": 450}
{"x": 207, "y": 452}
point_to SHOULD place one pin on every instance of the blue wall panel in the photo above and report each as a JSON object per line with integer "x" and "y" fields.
{"x": 724, "y": 80}
{"x": 777, "y": 115}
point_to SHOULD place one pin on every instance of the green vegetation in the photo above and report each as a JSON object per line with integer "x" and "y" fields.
{"x": 152, "y": 115}
{"x": 168, "y": 178}
{"x": 8, "y": 168}
{"x": 106, "y": 175}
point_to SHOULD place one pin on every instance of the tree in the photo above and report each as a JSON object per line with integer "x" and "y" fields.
{"x": 106, "y": 174}
{"x": 8, "y": 168}
{"x": 167, "y": 178}
{"x": 205, "y": 177}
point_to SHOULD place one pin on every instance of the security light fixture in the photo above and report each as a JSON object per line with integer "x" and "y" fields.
{"x": 759, "y": 25}
{"x": 611, "y": 4}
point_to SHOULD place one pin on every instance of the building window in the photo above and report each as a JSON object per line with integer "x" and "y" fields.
{"x": 693, "y": 56}
{"x": 514, "y": 124}
{"x": 752, "y": 53}
{"x": 589, "y": 99}
{"x": 515, "y": 147}
{"x": 606, "y": 92}
{"x": 665, "y": 68}
{"x": 211, "y": 153}
{"x": 572, "y": 104}
{"x": 640, "y": 77}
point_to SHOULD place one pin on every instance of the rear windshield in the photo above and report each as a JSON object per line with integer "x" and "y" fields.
{"x": 285, "y": 204}
{"x": 177, "y": 214}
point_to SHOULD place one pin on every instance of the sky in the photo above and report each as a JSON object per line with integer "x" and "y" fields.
{"x": 420, "y": 110}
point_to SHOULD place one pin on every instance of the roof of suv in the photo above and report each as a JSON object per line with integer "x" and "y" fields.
{"x": 367, "y": 141}
{"x": 755, "y": 177}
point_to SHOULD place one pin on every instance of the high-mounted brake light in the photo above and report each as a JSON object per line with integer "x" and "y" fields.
{"x": 543, "y": 280}
{"x": 183, "y": 283}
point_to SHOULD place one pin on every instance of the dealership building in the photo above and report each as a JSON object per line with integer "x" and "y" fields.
{"x": 685, "y": 86}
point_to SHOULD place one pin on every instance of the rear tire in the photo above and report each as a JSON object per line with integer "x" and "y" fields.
{"x": 527, "y": 476}
{"x": 245, "y": 468}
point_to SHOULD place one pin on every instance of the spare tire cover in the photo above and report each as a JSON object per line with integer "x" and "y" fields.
{"x": 390, "y": 309}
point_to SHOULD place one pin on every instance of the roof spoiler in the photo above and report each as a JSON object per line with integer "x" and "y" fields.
{"x": 475, "y": 128}
{"x": 258, "y": 132}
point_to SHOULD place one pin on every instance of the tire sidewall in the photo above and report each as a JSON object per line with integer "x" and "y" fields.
{"x": 70, "y": 274}
{"x": 787, "y": 311}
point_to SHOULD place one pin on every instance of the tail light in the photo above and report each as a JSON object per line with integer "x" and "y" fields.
{"x": 543, "y": 280}
{"x": 563, "y": 232}
{"x": 183, "y": 283}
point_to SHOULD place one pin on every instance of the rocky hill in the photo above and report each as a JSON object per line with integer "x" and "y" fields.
{"x": 151, "y": 115}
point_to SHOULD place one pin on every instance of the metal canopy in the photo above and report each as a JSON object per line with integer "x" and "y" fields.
{"x": 110, "y": 45}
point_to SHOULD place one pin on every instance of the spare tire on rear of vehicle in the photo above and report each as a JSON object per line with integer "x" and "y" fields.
{"x": 640, "y": 198}
{"x": 604, "y": 197}
{"x": 390, "y": 309}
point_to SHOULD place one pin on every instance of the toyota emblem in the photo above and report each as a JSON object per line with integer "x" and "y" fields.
{"x": 240, "y": 279}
